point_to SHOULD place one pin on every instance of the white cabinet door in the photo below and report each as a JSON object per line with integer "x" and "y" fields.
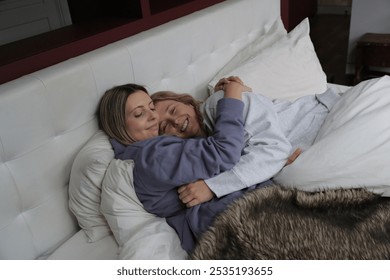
{"x": 20, "y": 19}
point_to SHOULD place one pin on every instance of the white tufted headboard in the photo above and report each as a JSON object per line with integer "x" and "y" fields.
{"x": 47, "y": 116}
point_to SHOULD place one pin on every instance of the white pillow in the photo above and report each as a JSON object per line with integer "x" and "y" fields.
{"x": 276, "y": 32}
{"x": 86, "y": 177}
{"x": 140, "y": 235}
{"x": 287, "y": 69}
{"x": 353, "y": 146}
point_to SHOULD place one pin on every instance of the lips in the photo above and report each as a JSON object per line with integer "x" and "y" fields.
{"x": 154, "y": 127}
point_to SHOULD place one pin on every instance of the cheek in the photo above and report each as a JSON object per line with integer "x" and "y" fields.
{"x": 132, "y": 125}
{"x": 188, "y": 110}
{"x": 195, "y": 119}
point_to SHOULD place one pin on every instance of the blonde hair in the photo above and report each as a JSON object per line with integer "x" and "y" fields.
{"x": 180, "y": 97}
{"x": 111, "y": 112}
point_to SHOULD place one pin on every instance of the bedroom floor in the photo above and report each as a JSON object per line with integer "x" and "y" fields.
{"x": 330, "y": 35}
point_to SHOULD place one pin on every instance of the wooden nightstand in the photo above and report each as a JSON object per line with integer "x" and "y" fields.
{"x": 373, "y": 50}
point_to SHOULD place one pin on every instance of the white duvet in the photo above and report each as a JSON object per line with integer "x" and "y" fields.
{"x": 140, "y": 235}
{"x": 352, "y": 148}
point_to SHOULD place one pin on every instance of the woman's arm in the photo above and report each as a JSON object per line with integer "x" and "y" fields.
{"x": 198, "y": 192}
{"x": 210, "y": 155}
{"x": 164, "y": 163}
{"x": 266, "y": 149}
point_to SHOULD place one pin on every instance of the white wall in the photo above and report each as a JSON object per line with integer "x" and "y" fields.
{"x": 367, "y": 16}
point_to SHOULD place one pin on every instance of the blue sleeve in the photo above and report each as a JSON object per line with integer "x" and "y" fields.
{"x": 165, "y": 163}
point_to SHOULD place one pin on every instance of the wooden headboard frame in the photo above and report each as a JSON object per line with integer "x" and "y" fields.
{"x": 294, "y": 11}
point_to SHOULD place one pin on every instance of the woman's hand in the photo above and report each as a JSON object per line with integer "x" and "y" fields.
{"x": 222, "y": 83}
{"x": 195, "y": 193}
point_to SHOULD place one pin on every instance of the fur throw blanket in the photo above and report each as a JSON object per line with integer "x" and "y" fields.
{"x": 281, "y": 223}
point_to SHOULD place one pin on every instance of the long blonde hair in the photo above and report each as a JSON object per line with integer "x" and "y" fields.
{"x": 111, "y": 111}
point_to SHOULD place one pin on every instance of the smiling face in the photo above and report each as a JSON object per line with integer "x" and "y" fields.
{"x": 141, "y": 118}
{"x": 177, "y": 118}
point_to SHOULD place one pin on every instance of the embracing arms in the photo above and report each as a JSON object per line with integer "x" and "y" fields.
{"x": 164, "y": 163}
{"x": 266, "y": 151}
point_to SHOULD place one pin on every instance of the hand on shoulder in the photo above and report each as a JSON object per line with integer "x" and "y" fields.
{"x": 224, "y": 83}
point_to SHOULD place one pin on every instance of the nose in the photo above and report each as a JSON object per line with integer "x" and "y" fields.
{"x": 153, "y": 115}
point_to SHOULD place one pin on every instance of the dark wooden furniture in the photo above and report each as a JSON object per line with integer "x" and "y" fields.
{"x": 294, "y": 11}
{"x": 373, "y": 50}
{"x": 95, "y": 23}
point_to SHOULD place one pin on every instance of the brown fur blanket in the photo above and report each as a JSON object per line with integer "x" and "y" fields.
{"x": 279, "y": 223}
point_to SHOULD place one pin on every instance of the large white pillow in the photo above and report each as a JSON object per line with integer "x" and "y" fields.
{"x": 275, "y": 32}
{"x": 140, "y": 235}
{"x": 86, "y": 177}
{"x": 352, "y": 148}
{"x": 287, "y": 69}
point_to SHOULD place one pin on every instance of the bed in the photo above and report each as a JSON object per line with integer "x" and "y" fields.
{"x": 64, "y": 196}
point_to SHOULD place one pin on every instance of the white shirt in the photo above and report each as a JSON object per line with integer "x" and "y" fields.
{"x": 273, "y": 130}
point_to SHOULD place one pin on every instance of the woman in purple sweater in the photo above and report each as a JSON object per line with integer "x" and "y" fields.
{"x": 163, "y": 163}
